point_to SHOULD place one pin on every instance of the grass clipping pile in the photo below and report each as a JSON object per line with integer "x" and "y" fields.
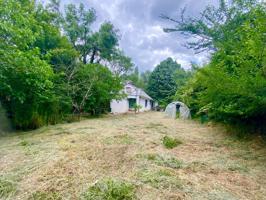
{"x": 145, "y": 156}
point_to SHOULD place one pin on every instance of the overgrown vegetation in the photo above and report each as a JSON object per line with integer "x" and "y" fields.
{"x": 170, "y": 142}
{"x": 54, "y": 65}
{"x": 110, "y": 189}
{"x": 232, "y": 87}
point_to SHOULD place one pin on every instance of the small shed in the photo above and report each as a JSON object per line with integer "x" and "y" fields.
{"x": 178, "y": 107}
{"x": 134, "y": 96}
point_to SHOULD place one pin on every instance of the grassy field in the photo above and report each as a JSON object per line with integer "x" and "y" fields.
{"x": 144, "y": 156}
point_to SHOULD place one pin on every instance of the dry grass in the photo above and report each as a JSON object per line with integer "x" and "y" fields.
{"x": 63, "y": 161}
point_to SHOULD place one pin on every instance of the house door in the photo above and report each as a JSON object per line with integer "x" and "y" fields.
{"x": 131, "y": 103}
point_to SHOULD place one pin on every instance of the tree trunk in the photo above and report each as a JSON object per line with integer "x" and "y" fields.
{"x": 84, "y": 59}
{"x": 93, "y": 56}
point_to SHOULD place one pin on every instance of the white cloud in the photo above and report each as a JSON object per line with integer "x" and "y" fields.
{"x": 141, "y": 28}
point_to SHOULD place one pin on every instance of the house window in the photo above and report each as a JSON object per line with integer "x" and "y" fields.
{"x": 146, "y": 103}
{"x": 128, "y": 90}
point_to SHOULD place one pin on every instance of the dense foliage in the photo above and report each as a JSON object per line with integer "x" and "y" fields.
{"x": 44, "y": 75}
{"x": 166, "y": 78}
{"x": 232, "y": 87}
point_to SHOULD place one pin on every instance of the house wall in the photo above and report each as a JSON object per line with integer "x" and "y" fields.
{"x": 142, "y": 103}
{"x": 119, "y": 106}
{"x": 122, "y": 106}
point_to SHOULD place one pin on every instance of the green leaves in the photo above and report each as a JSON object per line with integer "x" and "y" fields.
{"x": 233, "y": 86}
{"x": 166, "y": 78}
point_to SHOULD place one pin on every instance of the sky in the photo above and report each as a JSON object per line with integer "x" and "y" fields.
{"x": 141, "y": 28}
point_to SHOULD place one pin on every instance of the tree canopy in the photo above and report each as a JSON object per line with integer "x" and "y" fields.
{"x": 165, "y": 80}
{"x": 232, "y": 87}
{"x": 44, "y": 73}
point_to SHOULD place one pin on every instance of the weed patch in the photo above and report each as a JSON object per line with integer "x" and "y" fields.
{"x": 160, "y": 179}
{"x": 171, "y": 143}
{"x": 25, "y": 143}
{"x": 110, "y": 189}
{"x": 7, "y": 188}
{"x": 165, "y": 161}
{"x": 39, "y": 195}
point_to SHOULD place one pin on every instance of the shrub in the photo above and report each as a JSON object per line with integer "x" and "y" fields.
{"x": 110, "y": 189}
{"x": 171, "y": 143}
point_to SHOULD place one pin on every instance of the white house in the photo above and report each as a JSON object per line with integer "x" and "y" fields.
{"x": 135, "y": 96}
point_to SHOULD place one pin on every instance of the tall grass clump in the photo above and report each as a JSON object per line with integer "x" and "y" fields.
{"x": 110, "y": 189}
{"x": 7, "y": 188}
{"x": 170, "y": 143}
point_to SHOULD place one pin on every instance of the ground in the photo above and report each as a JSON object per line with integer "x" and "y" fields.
{"x": 62, "y": 161}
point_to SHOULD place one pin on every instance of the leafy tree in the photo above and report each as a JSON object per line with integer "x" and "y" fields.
{"x": 93, "y": 46}
{"x": 103, "y": 43}
{"x": 77, "y": 26}
{"x": 214, "y": 25}
{"x": 42, "y": 76}
{"x": 92, "y": 88}
{"x": 231, "y": 88}
{"x": 162, "y": 84}
{"x": 120, "y": 64}
{"x": 26, "y": 79}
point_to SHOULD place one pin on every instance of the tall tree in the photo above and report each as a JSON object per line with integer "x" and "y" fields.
{"x": 77, "y": 26}
{"x": 162, "y": 84}
{"x": 93, "y": 46}
{"x": 207, "y": 30}
{"x": 103, "y": 44}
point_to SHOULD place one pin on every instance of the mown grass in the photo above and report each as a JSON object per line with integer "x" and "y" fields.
{"x": 154, "y": 126}
{"x": 110, "y": 189}
{"x": 170, "y": 142}
{"x": 119, "y": 139}
{"x": 196, "y": 166}
{"x": 210, "y": 165}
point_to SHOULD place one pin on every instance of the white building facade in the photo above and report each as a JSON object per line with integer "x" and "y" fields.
{"x": 135, "y": 96}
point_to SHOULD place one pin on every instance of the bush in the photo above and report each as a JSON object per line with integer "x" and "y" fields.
{"x": 171, "y": 143}
{"x": 110, "y": 189}
{"x": 232, "y": 88}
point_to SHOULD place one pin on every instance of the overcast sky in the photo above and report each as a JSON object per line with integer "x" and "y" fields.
{"x": 141, "y": 28}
